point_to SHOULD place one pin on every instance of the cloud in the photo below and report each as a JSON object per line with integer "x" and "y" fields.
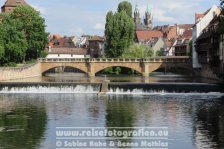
{"x": 76, "y": 17}
{"x": 77, "y": 31}
{"x": 159, "y": 15}
{"x": 42, "y": 10}
{"x": 99, "y": 26}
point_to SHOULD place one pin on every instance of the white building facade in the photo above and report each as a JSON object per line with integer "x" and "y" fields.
{"x": 198, "y": 30}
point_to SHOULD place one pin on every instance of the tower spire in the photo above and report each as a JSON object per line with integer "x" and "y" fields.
{"x": 148, "y": 17}
{"x": 137, "y": 18}
{"x": 148, "y": 8}
{"x": 136, "y": 7}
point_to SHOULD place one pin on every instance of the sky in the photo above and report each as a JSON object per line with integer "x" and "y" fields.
{"x": 78, "y": 17}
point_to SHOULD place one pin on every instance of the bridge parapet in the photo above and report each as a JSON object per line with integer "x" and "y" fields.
{"x": 27, "y": 66}
{"x": 179, "y": 59}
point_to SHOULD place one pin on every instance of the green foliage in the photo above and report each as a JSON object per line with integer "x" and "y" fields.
{"x": 119, "y": 32}
{"x": 32, "y": 61}
{"x": 117, "y": 70}
{"x": 22, "y": 35}
{"x": 125, "y": 6}
{"x": 10, "y": 64}
{"x": 108, "y": 70}
{"x": 2, "y": 49}
{"x": 137, "y": 51}
{"x": 15, "y": 43}
{"x": 43, "y": 54}
{"x": 160, "y": 52}
{"x": 34, "y": 27}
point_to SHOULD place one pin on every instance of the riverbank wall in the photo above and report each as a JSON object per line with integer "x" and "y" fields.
{"x": 207, "y": 72}
{"x": 26, "y": 71}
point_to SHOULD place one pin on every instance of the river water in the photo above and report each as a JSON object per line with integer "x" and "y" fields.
{"x": 31, "y": 116}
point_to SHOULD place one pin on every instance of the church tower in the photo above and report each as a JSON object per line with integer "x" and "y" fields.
{"x": 137, "y": 18}
{"x": 148, "y": 18}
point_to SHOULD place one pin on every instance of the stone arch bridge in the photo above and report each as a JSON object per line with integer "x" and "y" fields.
{"x": 92, "y": 66}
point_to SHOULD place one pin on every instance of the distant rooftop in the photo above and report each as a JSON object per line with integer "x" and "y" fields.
{"x": 14, "y": 3}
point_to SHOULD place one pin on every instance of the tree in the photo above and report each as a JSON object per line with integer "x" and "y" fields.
{"x": 138, "y": 51}
{"x": 125, "y": 6}
{"x": 2, "y": 35}
{"x": 160, "y": 52}
{"x": 119, "y": 32}
{"x": 2, "y": 49}
{"x": 15, "y": 44}
{"x": 33, "y": 26}
{"x": 109, "y": 30}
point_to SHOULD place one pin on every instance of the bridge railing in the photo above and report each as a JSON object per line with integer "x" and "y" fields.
{"x": 154, "y": 59}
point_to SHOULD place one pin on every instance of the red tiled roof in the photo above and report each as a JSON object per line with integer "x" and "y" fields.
{"x": 51, "y": 44}
{"x": 187, "y": 34}
{"x": 186, "y": 26}
{"x": 96, "y": 38}
{"x": 62, "y": 42}
{"x": 14, "y": 3}
{"x": 198, "y": 16}
{"x": 56, "y": 36}
{"x": 76, "y": 51}
{"x": 148, "y": 35}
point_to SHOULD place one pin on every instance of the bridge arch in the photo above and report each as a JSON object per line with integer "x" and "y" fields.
{"x": 135, "y": 66}
{"x": 79, "y": 66}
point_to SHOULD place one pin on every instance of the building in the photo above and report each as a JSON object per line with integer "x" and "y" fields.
{"x": 209, "y": 46}
{"x": 144, "y": 37}
{"x": 67, "y": 53}
{"x": 96, "y": 46}
{"x": 56, "y": 40}
{"x": 202, "y": 21}
{"x": 65, "y": 47}
{"x": 169, "y": 49}
{"x": 10, "y": 5}
{"x": 182, "y": 47}
{"x": 221, "y": 55}
{"x": 158, "y": 44}
{"x": 147, "y": 24}
{"x": 169, "y": 32}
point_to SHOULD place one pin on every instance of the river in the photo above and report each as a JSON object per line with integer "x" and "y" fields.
{"x": 31, "y": 115}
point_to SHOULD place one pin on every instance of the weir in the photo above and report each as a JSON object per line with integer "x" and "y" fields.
{"x": 107, "y": 88}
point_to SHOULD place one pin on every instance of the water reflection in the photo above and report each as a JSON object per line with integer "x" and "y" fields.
{"x": 209, "y": 125}
{"x": 22, "y": 123}
{"x": 28, "y": 121}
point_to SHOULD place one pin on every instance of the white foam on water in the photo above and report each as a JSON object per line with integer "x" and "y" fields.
{"x": 119, "y": 91}
{"x": 79, "y": 89}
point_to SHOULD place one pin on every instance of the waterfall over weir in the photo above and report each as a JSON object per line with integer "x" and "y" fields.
{"x": 166, "y": 89}
{"x": 114, "y": 88}
{"x": 50, "y": 88}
